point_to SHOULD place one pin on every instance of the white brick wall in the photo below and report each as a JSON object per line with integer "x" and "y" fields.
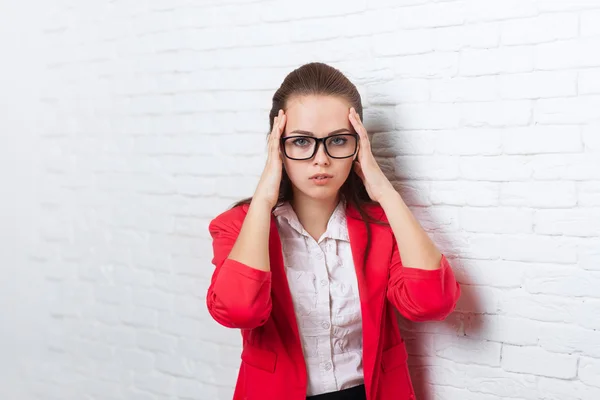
{"x": 140, "y": 121}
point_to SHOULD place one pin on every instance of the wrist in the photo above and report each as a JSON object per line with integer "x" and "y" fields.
{"x": 261, "y": 204}
{"x": 389, "y": 196}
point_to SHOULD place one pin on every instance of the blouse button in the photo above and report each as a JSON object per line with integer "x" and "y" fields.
{"x": 325, "y": 325}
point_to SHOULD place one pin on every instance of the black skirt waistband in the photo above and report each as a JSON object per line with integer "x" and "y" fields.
{"x": 353, "y": 393}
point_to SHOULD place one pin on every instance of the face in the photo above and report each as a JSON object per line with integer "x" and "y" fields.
{"x": 319, "y": 117}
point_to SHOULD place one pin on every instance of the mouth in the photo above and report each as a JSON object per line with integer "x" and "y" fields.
{"x": 321, "y": 176}
{"x": 321, "y": 179}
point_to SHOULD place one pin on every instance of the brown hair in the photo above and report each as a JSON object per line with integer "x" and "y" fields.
{"x": 321, "y": 79}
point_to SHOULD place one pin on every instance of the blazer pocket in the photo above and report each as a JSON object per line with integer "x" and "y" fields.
{"x": 259, "y": 358}
{"x": 394, "y": 357}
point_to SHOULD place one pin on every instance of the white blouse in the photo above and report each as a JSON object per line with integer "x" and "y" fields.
{"x": 324, "y": 290}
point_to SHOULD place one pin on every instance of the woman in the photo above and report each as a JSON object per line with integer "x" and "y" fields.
{"x": 312, "y": 266}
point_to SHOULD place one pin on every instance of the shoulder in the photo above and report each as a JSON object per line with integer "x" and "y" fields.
{"x": 230, "y": 219}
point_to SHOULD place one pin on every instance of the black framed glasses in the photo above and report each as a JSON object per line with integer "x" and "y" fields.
{"x": 305, "y": 147}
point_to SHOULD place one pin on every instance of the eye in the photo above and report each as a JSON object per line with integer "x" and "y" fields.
{"x": 338, "y": 141}
{"x": 300, "y": 142}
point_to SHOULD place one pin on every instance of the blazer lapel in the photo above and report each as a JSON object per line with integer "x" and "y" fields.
{"x": 371, "y": 287}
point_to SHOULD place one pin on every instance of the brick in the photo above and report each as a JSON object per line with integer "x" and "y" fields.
{"x": 588, "y": 254}
{"x": 557, "y": 194}
{"x": 477, "y": 35}
{"x": 542, "y": 139}
{"x": 504, "y": 329}
{"x": 560, "y": 389}
{"x": 487, "y": 300}
{"x": 138, "y": 317}
{"x": 496, "y": 114}
{"x": 454, "y": 393}
{"x": 539, "y": 29}
{"x": 588, "y": 314}
{"x": 135, "y": 360}
{"x": 589, "y": 23}
{"x": 578, "y": 167}
{"x": 429, "y": 65}
{"x": 310, "y": 9}
{"x": 398, "y": 91}
{"x": 588, "y": 81}
{"x": 572, "y": 110}
{"x": 483, "y": 88}
{"x": 155, "y": 342}
{"x": 403, "y": 143}
{"x": 540, "y": 307}
{"x": 178, "y": 325}
{"x": 588, "y": 194}
{"x": 475, "y": 62}
{"x": 500, "y": 168}
{"x": 482, "y": 380}
{"x": 589, "y": 370}
{"x": 562, "y": 280}
{"x": 428, "y": 116}
{"x": 154, "y": 382}
{"x": 533, "y": 360}
{"x": 495, "y": 273}
{"x": 574, "y": 54}
{"x": 437, "y": 218}
{"x": 423, "y": 167}
{"x": 431, "y": 15}
{"x": 175, "y": 365}
{"x": 591, "y": 137}
{"x": 578, "y": 222}
{"x": 402, "y": 43}
{"x": 190, "y": 388}
{"x": 459, "y": 193}
{"x": 558, "y": 5}
{"x": 570, "y": 339}
{"x": 538, "y": 84}
{"x": 414, "y": 193}
{"x": 491, "y": 10}
{"x": 479, "y": 352}
{"x": 500, "y": 220}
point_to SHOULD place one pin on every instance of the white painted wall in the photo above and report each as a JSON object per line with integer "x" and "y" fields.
{"x": 127, "y": 125}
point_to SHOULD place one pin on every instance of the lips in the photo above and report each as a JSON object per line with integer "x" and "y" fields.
{"x": 321, "y": 176}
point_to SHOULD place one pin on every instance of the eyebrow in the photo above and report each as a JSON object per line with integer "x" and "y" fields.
{"x": 308, "y": 133}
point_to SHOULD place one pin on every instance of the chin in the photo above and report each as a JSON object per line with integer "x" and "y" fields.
{"x": 321, "y": 193}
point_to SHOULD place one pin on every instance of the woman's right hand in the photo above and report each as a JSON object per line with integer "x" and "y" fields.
{"x": 268, "y": 186}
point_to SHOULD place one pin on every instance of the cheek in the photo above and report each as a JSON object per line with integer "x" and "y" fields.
{"x": 345, "y": 168}
{"x": 295, "y": 170}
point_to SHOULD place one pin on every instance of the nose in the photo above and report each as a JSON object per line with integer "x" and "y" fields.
{"x": 321, "y": 157}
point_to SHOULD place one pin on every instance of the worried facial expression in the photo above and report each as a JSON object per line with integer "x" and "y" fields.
{"x": 318, "y": 145}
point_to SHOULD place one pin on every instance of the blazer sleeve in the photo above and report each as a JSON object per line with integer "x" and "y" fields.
{"x": 422, "y": 295}
{"x": 239, "y": 296}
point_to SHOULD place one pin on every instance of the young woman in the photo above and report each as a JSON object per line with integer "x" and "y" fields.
{"x": 312, "y": 267}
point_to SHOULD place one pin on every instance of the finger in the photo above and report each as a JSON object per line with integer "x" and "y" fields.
{"x": 359, "y": 127}
{"x": 282, "y": 120}
{"x": 272, "y": 136}
{"x": 276, "y": 134}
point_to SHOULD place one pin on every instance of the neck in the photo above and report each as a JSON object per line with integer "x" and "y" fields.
{"x": 314, "y": 214}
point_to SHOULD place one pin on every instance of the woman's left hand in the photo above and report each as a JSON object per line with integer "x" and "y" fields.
{"x": 365, "y": 166}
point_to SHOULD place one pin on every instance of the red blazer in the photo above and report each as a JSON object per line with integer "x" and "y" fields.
{"x": 260, "y": 304}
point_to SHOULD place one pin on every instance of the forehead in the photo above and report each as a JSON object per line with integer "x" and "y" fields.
{"x": 318, "y": 114}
